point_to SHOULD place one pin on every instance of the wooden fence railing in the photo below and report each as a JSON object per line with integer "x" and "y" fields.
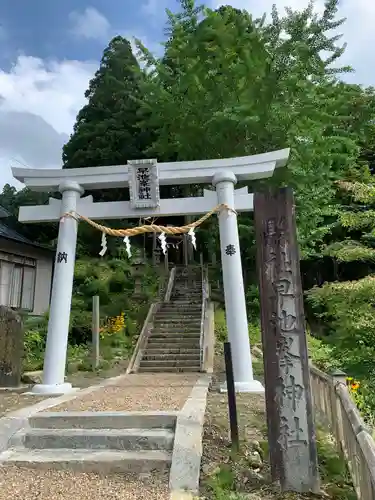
{"x": 336, "y": 411}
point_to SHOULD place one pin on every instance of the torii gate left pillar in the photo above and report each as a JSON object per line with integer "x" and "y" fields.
{"x": 223, "y": 174}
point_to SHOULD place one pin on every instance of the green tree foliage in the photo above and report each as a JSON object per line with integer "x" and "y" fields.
{"x": 347, "y": 311}
{"x": 11, "y": 200}
{"x": 106, "y": 131}
{"x": 252, "y": 87}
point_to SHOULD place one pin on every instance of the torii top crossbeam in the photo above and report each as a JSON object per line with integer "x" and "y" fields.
{"x": 245, "y": 168}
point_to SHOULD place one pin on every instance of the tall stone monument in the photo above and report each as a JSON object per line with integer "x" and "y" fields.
{"x": 291, "y": 431}
{"x": 11, "y": 347}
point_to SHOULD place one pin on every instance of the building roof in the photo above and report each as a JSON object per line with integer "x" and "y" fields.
{"x": 3, "y": 212}
{"x": 11, "y": 234}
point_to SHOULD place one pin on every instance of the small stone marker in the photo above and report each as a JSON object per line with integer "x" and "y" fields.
{"x": 11, "y": 347}
{"x": 291, "y": 433}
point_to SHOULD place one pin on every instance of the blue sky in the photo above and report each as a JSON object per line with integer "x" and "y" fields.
{"x": 50, "y": 49}
{"x": 75, "y": 29}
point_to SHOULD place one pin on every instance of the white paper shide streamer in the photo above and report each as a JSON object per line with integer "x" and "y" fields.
{"x": 104, "y": 245}
{"x": 163, "y": 243}
{"x": 191, "y": 233}
{"x": 127, "y": 246}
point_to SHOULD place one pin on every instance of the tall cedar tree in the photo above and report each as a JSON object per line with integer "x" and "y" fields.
{"x": 106, "y": 131}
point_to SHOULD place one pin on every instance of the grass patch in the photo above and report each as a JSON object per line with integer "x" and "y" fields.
{"x": 246, "y": 475}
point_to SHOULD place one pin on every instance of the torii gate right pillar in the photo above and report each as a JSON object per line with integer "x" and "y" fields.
{"x": 234, "y": 293}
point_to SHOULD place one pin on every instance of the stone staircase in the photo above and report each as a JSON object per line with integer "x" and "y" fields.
{"x": 131, "y": 442}
{"x": 174, "y": 342}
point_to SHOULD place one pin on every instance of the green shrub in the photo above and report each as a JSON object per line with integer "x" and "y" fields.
{"x": 112, "y": 281}
{"x": 34, "y": 345}
{"x": 322, "y": 354}
{"x": 220, "y": 326}
{"x": 347, "y": 312}
{"x": 252, "y": 301}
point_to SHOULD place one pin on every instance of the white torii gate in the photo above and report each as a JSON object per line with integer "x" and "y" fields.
{"x": 145, "y": 201}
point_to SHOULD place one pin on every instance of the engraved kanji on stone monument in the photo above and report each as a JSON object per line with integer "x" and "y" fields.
{"x": 291, "y": 432}
{"x": 143, "y": 183}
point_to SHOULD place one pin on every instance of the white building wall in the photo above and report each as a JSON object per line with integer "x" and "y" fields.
{"x": 43, "y": 281}
{"x": 44, "y": 269}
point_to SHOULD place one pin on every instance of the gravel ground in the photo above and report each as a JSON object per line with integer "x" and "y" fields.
{"x": 26, "y": 484}
{"x": 137, "y": 392}
{"x": 12, "y": 401}
{"x": 86, "y": 379}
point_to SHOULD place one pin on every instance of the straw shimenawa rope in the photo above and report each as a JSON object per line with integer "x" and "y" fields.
{"x": 150, "y": 228}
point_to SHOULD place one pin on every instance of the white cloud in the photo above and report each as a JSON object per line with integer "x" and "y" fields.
{"x": 90, "y": 24}
{"x": 39, "y": 102}
{"x": 358, "y": 30}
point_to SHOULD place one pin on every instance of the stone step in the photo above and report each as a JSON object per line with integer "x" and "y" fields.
{"x": 175, "y": 321}
{"x": 175, "y": 335}
{"x": 183, "y": 303}
{"x": 194, "y": 297}
{"x": 188, "y": 299}
{"x": 183, "y": 326}
{"x": 181, "y": 310}
{"x": 173, "y": 341}
{"x": 186, "y": 288}
{"x": 168, "y": 369}
{"x": 170, "y": 363}
{"x": 151, "y": 351}
{"x": 187, "y": 294}
{"x": 173, "y": 345}
{"x": 178, "y": 320}
{"x": 108, "y": 439}
{"x": 171, "y": 357}
{"x": 175, "y": 329}
{"x": 100, "y": 461}
{"x": 177, "y": 314}
{"x": 182, "y": 307}
{"x": 188, "y": 306}
{"x": 103, "y": 420}
{"x": 183, "y": 282}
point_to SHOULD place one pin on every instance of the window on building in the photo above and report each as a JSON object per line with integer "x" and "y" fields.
{"x": 17, "y": 283}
